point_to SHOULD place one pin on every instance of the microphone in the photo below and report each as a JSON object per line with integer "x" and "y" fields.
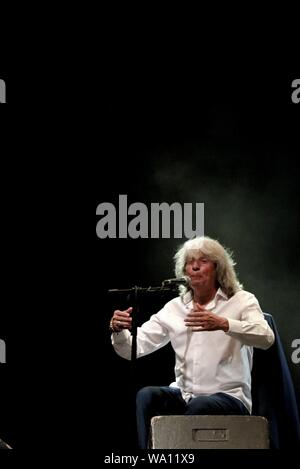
{"x": 175, "y": 281}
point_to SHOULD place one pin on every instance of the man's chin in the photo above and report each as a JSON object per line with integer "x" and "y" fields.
{"x": 195, "y": 282}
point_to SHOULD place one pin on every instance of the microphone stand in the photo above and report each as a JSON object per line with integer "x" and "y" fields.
{"x": 134, "y": 324}
{"x": 135, "y": 293}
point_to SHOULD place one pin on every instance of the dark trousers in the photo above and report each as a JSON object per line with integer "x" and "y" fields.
{"x": 154, "y": 400}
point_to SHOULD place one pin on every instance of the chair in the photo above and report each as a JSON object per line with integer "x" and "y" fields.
{"x": 209, "y": 432}
{"x": 273, "y": 393}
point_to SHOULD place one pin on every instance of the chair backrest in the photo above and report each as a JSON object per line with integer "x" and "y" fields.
{"x": 273, "y": 393}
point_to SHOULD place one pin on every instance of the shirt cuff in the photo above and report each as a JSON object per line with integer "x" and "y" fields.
{"x": 119, "y": 337}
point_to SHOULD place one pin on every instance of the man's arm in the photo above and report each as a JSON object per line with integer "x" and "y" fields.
{"x": 151, "y": 336}
{"x": 251, "y": 328}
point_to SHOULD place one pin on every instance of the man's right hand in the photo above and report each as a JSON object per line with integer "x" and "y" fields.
{"x": 121, "y": 320}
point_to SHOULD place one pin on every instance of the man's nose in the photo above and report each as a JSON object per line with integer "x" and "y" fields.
{"x": 195, "y": 265}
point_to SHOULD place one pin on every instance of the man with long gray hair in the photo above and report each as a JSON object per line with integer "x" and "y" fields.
{"x": 213, "y": 326}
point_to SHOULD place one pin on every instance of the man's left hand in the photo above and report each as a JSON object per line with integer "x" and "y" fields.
{"x": 200, "y": 319}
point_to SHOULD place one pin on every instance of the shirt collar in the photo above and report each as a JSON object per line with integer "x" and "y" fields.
{"x": 187, "y": 298}
{"x": 221, "y": 293}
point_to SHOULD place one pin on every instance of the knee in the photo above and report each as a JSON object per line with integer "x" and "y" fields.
{"x": 146, "y": 394}
{"x": 198, "y": 406}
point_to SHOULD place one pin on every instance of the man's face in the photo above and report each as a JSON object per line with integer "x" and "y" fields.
{"x": 201, "y": 270}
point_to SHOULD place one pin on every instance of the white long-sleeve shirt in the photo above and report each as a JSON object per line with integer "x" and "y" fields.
{"x": 206, "y": 361}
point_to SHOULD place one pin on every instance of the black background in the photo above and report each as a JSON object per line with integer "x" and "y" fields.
{"x": 158, "y": 129}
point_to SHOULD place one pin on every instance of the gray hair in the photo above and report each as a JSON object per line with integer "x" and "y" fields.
{"x": 215, "y": 252}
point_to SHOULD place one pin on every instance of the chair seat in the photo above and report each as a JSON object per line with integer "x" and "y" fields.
{"x": 209, "y": 432}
